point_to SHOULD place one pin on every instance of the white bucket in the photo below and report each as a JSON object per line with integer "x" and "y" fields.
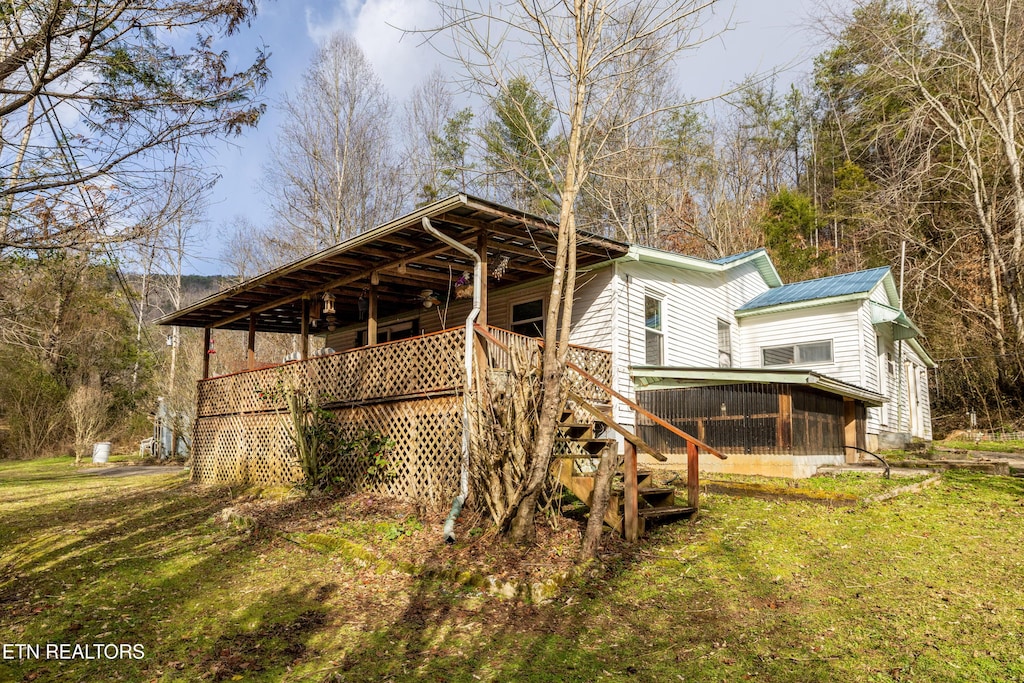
{"x": 101, "y": 452}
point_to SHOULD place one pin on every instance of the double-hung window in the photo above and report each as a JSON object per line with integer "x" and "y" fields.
{"x": 724, "y": 344}
{"x": 654, "y": 332}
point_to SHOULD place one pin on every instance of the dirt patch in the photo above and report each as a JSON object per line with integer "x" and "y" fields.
{"x": 132, "y": 470}
{"x": 389, "y": 534}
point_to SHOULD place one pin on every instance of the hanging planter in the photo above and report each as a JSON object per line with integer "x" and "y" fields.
{"x": 464, "y": 286}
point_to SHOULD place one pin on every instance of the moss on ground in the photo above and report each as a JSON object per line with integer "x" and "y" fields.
{"x": 926, "y": 586}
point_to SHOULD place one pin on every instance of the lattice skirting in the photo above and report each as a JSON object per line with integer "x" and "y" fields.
{"x": 254, "y": 449}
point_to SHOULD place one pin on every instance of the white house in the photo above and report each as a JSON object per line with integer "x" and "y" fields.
{"x": 781, "y": 377}
{"x": 823, "y": 355}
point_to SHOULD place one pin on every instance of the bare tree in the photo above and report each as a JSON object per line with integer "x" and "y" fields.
{"x": 437, "y": 140}
{"x": 93, "y": 94}
{"x": 929, "y": 100}
{"x": 87, "y": 410}
{"x": 332, "y": 172}
{"x": 590, "y": 56}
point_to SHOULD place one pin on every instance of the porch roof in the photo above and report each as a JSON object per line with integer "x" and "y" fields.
{"x": 665, "y": 377}
{"x": 403, "y": 260}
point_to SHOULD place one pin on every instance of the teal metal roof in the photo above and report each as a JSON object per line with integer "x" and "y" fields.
{"x": 847, "y": 284}
{"x": 736, "y": 257}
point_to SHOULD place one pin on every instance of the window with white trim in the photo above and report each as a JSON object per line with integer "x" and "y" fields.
{"x": 528, "y": 318}
{"x": 724, "y": 344}
{"x": 797, "y": 354}
{"x": 654, "y": 333}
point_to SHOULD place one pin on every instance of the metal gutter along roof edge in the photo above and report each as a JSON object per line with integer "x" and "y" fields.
{"x": 670, "y": 258}
{"x": 651, "y": 377}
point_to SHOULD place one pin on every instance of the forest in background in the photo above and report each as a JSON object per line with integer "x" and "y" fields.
{"x": 904, "y": 147}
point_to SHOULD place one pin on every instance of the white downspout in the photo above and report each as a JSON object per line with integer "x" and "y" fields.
{"x": 460, "y": 499}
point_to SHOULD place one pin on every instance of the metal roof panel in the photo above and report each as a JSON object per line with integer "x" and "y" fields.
{"x": 860, "y": 282}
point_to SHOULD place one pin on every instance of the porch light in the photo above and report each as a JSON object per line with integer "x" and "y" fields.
{"x": 328, "y": 303}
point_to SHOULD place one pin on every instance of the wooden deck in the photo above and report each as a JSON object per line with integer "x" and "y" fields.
{"x": 409, "y": 390}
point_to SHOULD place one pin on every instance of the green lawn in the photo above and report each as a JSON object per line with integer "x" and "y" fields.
{"x": 991, "y": 446}
{"x": 926, "y": 587}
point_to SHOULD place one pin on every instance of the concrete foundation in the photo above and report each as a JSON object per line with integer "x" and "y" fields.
{"x": 790, "y": 466}
{"x": 891, "y": 441}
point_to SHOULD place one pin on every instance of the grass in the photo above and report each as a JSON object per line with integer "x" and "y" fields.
{"x": 926, "y": 586}
{"x": 859, "y": 484}
{"x": 1012, "y": 446}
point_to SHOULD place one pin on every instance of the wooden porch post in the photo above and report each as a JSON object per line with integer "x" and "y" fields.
{"x": 304, "y": 331}
{"x": 251, "y": 345}
{"x": 371, "y": 318}
{"x": 784, "y": 424}
{"x": 631, "y": 523}
{"x": 481, "y": 251}
{"x": 692, "y": 476}
{"x": 206, "y": 353}
{"x": 850, "y": 429}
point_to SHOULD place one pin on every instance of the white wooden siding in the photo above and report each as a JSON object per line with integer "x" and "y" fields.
{"x": 837, "y": 323}
{"x": 692, "y": 304}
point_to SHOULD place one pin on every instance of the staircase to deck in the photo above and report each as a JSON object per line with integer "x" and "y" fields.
{"x": 579, "y": 447}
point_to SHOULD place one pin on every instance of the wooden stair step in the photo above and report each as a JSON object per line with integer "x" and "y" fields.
{"x": 590, "y": 447}
{"x": 672, "y": 512}
{"x": 575, "y": 430}
{"x": 655, "y": 490}
{"x": 658, "y": 496}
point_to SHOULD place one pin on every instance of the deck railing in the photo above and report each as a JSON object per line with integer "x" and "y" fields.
{"x": 409, "y": 390}
{"x": 420, "y": 367}
{"x": 596, "y": 362}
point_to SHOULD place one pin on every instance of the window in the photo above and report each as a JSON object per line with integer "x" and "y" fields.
{"x": 654, "y": 342}
{"x": 797, "y": 354}
{"x": 394, "y": 332}
{"x": 528, "y": 318}
{"x": 724, "y": 344}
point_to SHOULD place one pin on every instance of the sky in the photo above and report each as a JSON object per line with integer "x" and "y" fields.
{"x": 766, "y": 35}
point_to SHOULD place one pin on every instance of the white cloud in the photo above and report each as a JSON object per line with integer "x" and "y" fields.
{"x": 402, "y": 61}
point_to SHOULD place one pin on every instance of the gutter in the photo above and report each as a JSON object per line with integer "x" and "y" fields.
{"x": 460, "y": 499}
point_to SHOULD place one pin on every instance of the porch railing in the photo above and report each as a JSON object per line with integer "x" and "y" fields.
{"x": 429, "y": 365}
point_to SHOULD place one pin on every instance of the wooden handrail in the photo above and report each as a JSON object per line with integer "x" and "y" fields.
{"x": 648, "y": 414}
{"x": 611, "y": 392}
{"x": 615, "y": 426}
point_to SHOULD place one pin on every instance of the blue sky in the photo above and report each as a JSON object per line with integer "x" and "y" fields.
{"x": 767, "y": 34}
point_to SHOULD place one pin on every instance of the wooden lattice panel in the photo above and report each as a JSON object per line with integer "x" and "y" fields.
{"x": 596, "y": 362}
{"x": 254, "y": 449}
{"x": 251, "y": 449}
{"x": 418, "y": 367}
{"x": 409, "y": 391}
{"x": 428, "y": 443}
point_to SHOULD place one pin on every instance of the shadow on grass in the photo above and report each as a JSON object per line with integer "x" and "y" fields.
{"x": 137, "y": 564}
{"x": 636, "y": 619}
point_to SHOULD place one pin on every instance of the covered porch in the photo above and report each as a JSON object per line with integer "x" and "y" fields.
{"x": 409, "y": 386}
{"x": 779, "y": 422}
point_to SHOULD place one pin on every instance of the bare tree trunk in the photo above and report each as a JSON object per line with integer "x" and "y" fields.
{"x": 599, "y": 506}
